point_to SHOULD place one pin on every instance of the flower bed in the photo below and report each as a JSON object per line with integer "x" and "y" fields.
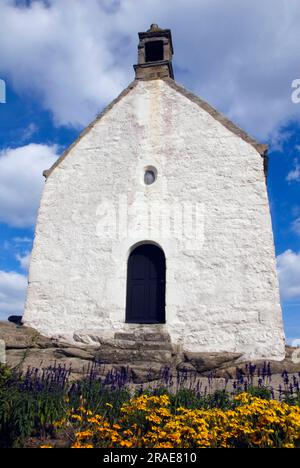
{"x": 46, "y": 409}
{"x": 148, "y": 421}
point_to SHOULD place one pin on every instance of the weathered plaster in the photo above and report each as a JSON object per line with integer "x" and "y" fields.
{"x": 221, "y": 287}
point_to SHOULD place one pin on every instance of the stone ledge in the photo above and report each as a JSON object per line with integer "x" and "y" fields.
{"x": 144, "y": 360}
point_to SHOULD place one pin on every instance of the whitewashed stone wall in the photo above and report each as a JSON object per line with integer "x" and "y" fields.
{"x": 221, "y": 285}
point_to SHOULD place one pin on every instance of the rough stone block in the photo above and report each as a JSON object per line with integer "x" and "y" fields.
{"x": 208, "y": 361}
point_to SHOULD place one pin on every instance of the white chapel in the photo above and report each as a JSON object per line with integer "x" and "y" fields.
{"x": 157, "y": 217}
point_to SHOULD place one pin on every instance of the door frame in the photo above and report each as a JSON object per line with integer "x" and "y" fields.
{"x": 130, "y": 251}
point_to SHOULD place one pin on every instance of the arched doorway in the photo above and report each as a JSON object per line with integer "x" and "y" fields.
{"x": 146, "y": 284}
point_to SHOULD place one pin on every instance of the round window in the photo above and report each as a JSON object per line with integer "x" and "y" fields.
{"x": 149, "y": 177}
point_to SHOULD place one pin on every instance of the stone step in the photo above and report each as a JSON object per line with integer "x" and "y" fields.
{"x": 143, "y": 336}
{"x": 155, "y": 337}
{"x": 133, "y": 355}
{"x": 128, "y": 344}
{"x": 151, "y": 345}
{"x": 120, "y": 344}
{"x": 155, "y": 345}
{"x": 124, "y": 336}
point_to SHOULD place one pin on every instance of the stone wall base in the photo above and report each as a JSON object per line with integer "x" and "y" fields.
{"x": 146, "y": 358}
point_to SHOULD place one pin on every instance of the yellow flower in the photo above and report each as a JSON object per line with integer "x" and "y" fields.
{"x": 126, "y": 443}
{"x": 77, "y": 417}
{"x": 288, "y": 445}
{"x": 164, "y": 445}
{"x": 254, "y": 422}
{"x": 82, "y": 409}
{"x": 83, "y": 434}
{"x": 154, "y": 418}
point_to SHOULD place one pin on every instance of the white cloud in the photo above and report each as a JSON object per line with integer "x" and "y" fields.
{"x": 296, "y": 226}
{"x": 24, "y": 260}
{"x": 28, "y": 132}
{"x": 76, "y": 56}
{"x": 67, "y": 54}
{"x": 288, "y": 267}
{"x": 294, "y": 174}
{"x": 12, "y": 293}
{"x": 21, "y": 182}
{"x": 22, "y": 240}
{"x": 278, "y": 138}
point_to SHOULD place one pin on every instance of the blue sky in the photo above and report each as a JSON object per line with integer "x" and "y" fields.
{"x": 63, "y": 61}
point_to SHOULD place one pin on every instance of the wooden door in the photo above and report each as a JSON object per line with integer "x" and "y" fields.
{"x": 146, "y": 279}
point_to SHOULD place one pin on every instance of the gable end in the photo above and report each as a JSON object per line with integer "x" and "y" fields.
{"x": 260, "y": 148}
{"x": 127, "y": 90}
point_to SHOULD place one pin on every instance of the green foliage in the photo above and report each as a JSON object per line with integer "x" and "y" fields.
{"x": 98, "y": 398}
{"x": 31, "y": 403}
{"x": 27, "y": 408}
{"x": 293, "y": 400}
{"x": 5, "y": 375}
{"x": 190, "y": 399}
{"x": 260, "y": 392}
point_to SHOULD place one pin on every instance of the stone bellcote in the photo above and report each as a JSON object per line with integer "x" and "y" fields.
{"x": 155, "y": 51}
